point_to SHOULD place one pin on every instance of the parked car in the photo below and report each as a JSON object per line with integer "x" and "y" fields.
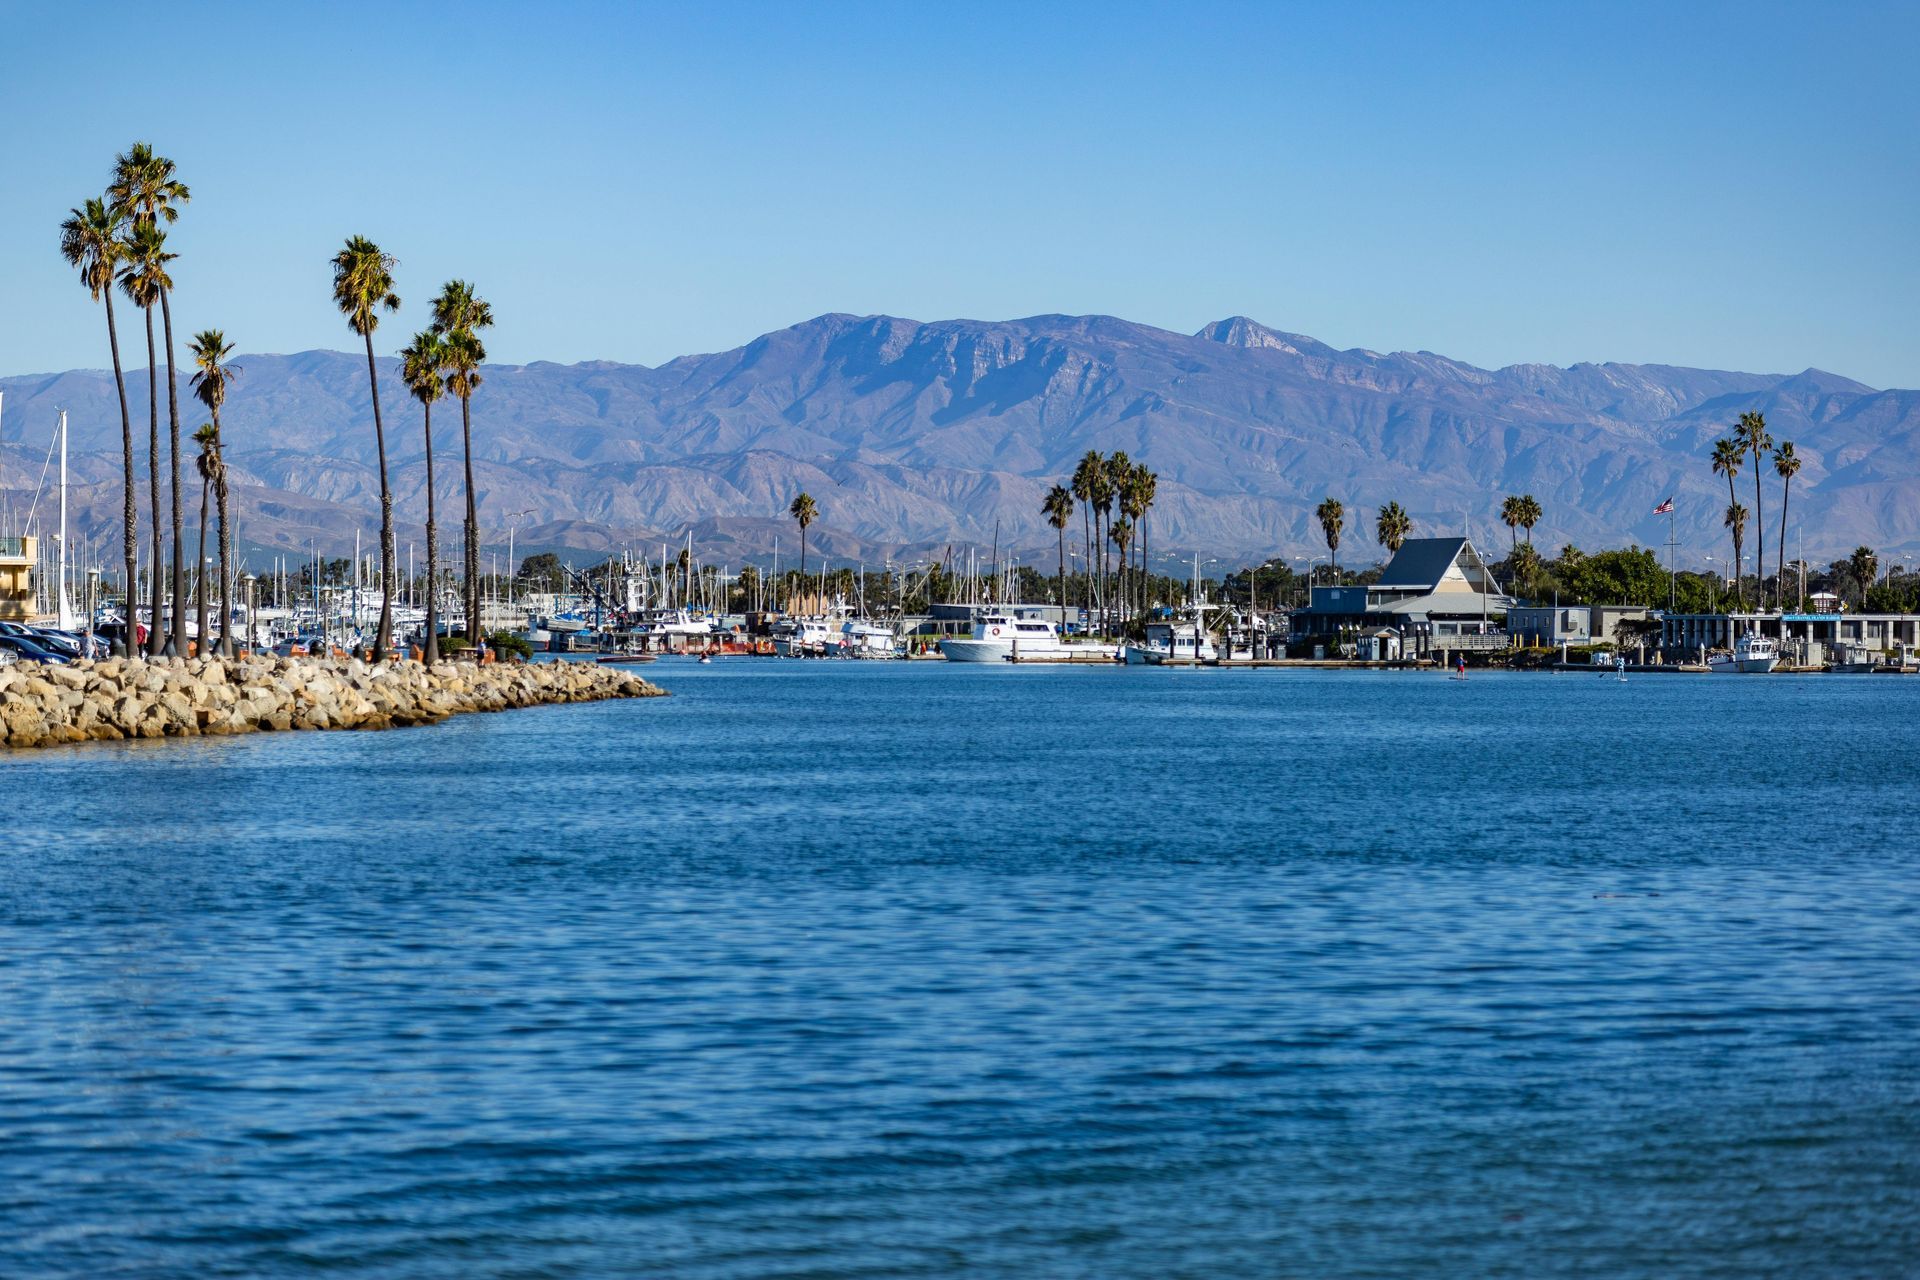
{"x": 25, "y": 650}
{"x": 77, "y": 643}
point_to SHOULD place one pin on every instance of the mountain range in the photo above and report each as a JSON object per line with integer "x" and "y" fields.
{"x": 916, "y": 436}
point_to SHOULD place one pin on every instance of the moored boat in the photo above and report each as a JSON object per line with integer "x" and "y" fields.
{"x": 1753, "y": 654}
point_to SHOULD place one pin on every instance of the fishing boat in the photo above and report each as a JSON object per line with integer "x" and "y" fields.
{"x": 1183, "y": 640}
{"x": 802, "y": 637}
{"x": 1753, "y": 654}
{"x": 998, "y": 637}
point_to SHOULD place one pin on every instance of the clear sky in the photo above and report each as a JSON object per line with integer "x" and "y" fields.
{"x": 1725, "y": 185}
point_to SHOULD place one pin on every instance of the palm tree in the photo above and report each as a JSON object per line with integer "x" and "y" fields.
{"x": 1727, "y": 458}
{"x": 1530, "y": 514}
{"x": 1752, "y": 435}
{"x": 1118, "y": 533}
{"x": 1113, "y": 471}
{"x": 1393, "y": 526}
{"x": 421, "y": 363}
{"x": 1864, "y": 565}
{"x": 362, "y": 288}
{"x": 211, "y": 352}
{"x": 1332, "y": 517}
{"x": 144, "y": 280}
{"x": 208, "y": 464}
{"x": 90, "y": 241}
{"x": 1148, "y": 485}
{"x": 1058, "y": 509}
{"x": 1736, "y": 523}
{"x": 145, "y": 189}
{"x": 1083, "y": 486}
{"x": 459, "y": 314}
{"x": 1132, "y": 508}
{"x": 1510, "y": 513}
{"x": 805, "y": 512}
{"x": 1526, "y": 567}
{"x": 1786, "y": 465}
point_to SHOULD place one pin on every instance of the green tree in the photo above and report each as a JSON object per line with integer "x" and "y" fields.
{"x": 146, "y": 190}
{"x": 1530, "y": 515}
{"x": 214, "y": 373}
{"x": 1393, "y": 526}
{"x": 1752, "y": 437}
{"x": 1727, "y": 457}
{"x": 1786, "y": 465}
{"x": 1510, "y": 513}
{"x": 422, "y": 367}
{"x": 459, "y": 314}
{"x": 1863, "y": 565}
{"x": 144, "y": 279}
{"x": 804, "y": 512}
{"x": 1058, "y": 509}
{"x": 1333, "y": 518}
{"x": 362, "y": 288}
{"x": 90, "y": 242}
{"x": 1086, "y": 479}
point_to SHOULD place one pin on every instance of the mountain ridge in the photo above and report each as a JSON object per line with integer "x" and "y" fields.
{"x": 917, "y": 434}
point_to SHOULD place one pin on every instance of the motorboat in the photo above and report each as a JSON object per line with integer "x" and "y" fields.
{"x": 1182, "y": 641}
{"x": 1753, "y": 654}
{"x": 1002, "y": 637}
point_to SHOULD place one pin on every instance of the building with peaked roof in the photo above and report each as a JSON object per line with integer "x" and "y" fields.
{"x": 1437, "y": 593}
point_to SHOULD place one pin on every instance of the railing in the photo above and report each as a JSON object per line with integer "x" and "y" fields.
{"x": 15, "y": 547}
{"x": 1470, "y": 643}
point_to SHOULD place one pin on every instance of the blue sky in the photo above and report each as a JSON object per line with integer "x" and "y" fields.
{"x": 1732, "y": 186}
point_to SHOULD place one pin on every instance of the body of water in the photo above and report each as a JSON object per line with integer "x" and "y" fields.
{"x": 877, "y": 970}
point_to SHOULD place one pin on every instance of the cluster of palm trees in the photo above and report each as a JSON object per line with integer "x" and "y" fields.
{"x": 442, "y": 359}
{"x": 120, "y": 238}
{"x": 1751, "y": 441}
{"x": 1115, "y": 494}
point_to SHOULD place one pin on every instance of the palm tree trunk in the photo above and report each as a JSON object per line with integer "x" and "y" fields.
{"x": 472, "y": 593}
{"x": 156, "y": 638}
{"x": 1146, "y": 575}
{"x": 130, "y": 512}
{"x": 173, "y": 429}
{"x": 430, "y": 651}
{"x": 1780, "y": 577}
{"x": 1061, "y": 529}
{"x": 383, "y": 638}
{"x": 1759, "y": 535}
{"x": 201, "y": 616}
{"x": 226, "y": 550}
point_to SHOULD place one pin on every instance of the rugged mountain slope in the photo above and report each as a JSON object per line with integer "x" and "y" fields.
{"x": 914, "y": 435}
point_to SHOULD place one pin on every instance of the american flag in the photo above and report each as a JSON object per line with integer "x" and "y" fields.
{"x": 1665, "y": 508}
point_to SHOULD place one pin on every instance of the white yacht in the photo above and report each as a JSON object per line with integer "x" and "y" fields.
{"x": 860, "y": 638}
{"x": 1179, "y": 642}
{"x": 1753, "y": 654}
{"x": 998, "y": 637}
{"x": 802, "y": 637}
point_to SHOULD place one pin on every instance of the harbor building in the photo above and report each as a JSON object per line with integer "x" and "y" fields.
{"x": 17, "y": 600}
{"x": 1436, "y": 594}
{"x": 1550, "y": 626}
{"x": 1806, "y": 639}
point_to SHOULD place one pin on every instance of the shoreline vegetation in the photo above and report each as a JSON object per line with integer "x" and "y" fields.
{"x": 120, "y": 698}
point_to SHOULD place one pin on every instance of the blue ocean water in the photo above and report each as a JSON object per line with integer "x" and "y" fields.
{"x": 877, "y": 970}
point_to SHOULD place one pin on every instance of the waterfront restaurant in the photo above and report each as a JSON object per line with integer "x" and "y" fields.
{"x": 16, "y": 579}
{"x": 1436, "y": 593}
{"x": 1806, "y": 639}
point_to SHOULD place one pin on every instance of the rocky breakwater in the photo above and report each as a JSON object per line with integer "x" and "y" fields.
{"x": 128, "y": 698}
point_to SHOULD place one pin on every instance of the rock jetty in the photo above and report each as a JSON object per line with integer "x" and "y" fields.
{"x": 185, "y": 697}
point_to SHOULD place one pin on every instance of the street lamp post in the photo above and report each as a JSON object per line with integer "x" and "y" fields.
{"x": 253, "y": 616}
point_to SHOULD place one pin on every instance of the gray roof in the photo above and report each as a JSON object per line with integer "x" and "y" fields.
{"x": 1420, "y": 563}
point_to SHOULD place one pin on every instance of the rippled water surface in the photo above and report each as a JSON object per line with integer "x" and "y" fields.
{"x": 822, "y": 969}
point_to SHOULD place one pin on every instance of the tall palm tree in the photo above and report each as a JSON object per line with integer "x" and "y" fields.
{"x": 144, "y": 280}
{"x": 90, "y": 241}
{"x": 1864, "y": 566}
{"x": 804, "y": 511}
{"x": 1786, "y": 465}
{"x": 459, "y": 314}
{"x": 1113, "y": 473}
{"x": 421, "y": 365}
{"x": 1148, "y": 485}
{"x": 1736, "y": 523}
{"x": 1082, "y": 487}
{"x": 1119, "y": 533}
{"x": 212, "y": 354}
{"x": 1510, "y": 512}
{"x": 362, "y": 288}
{"x": 1752, "y": 436}
{"x": 1332, "y": 517}
{"x": 145, "y": 189}
{"x": 208, "y": 463}
{"x": 1727, "y": 459}
{"x": 1393, "y": 526}
{"x": 1132, "y": 508}
{"x": 1058, "y": 509}
{"x": 1530, "y": 514}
